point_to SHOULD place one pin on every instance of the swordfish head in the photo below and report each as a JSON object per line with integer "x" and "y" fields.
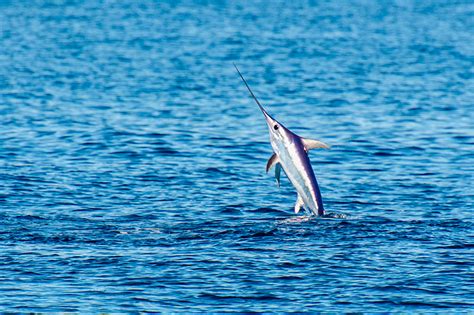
{"x": 279, "y": 134}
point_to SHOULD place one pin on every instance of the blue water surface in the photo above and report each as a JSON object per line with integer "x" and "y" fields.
{"x": 132, "y": 160}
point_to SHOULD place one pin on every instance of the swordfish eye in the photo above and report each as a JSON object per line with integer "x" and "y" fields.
{"x": 275, "y": 127}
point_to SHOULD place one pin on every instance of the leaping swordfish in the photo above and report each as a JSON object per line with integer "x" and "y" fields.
{"x": 291, "y": 154}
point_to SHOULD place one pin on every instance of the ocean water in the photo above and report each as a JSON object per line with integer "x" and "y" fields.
{"x": 132, "y": 159}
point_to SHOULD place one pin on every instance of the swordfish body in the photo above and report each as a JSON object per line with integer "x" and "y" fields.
{"x": 291, "y": 154}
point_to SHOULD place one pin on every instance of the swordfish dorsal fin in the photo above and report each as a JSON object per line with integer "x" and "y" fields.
{"x": 313, "y": 144}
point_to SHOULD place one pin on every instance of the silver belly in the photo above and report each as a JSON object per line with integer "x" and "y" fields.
{"x": 293, "y": 166}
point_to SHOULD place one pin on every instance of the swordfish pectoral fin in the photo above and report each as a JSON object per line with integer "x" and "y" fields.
{"x": 274, "y": 160}
{"x": 277, "y": 173}
{"x": 313, "y": 144}
{"x": 299, "y": 203}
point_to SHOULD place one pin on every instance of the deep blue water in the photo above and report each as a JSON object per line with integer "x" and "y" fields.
{"x": 132, "y": 160}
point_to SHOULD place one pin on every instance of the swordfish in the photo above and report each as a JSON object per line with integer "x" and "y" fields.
{"x": 291, "y": 154}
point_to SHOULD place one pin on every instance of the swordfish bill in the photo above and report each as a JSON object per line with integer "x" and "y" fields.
{"x": 290, "y": 152}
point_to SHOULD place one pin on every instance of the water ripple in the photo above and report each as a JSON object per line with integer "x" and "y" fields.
{"x": 132, "y": 161}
